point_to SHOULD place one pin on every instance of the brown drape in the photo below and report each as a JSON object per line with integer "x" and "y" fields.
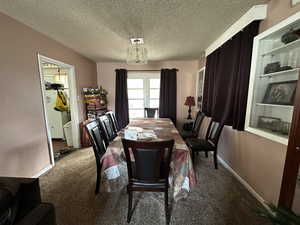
{"x": 227, "y": 79}
{"x": 168, "y": 94}
{"x": 121, "y": 99}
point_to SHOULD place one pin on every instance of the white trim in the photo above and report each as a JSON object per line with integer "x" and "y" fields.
{"x": 142, "y": 75}
{"x": 43, "y": 171}
{"x": 279, "y": 26}
{"x": 51, "y": 153}
{"x": 73, "y": 105}
{"x": 74, "y": 109}
{"x": 268, "y": 135}
{"x": 251, "y": 83}
{"x": 73, "y": 97}
{"x": 257, "y": 12}
{"x": 197, "y": 83}
{"x": 243, "y": 182}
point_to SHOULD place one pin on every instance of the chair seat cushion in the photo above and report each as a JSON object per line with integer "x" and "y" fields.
{"x": 197, "y": 144}
{"x": 6, "y": 199}
{"x": 187, "y": 134}
{"x": 157, "y": 186}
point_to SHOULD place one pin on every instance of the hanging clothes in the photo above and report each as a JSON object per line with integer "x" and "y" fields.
{"x": 61, "y": 102}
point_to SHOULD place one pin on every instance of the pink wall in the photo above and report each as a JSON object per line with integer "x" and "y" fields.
{"x": 23, "y": 143}
{"x": 186, "y": 80}
{"x": 258, "y": 161}
{"x": 278, "y": 10}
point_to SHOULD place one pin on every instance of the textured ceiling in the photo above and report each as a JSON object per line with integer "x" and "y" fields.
{"x": 100, "y": 29}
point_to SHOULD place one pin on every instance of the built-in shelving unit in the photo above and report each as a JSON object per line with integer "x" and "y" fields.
{"x": 284, "y": 48}
{"x": 274, "y": 74}
{"x": 280, "y": 73}
{"x": 273, "y": 105}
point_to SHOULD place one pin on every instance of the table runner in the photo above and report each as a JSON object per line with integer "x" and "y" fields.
{"x": 182, "y": 177}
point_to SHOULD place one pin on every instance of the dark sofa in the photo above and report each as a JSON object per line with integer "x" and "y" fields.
{"x": 20, "y": 203}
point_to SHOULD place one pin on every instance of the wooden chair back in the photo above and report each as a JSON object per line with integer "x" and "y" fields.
{"x": 214, "y": 132}
{"x": 198, "y": 121}
{"x": 150, "y": 112}
{"x": 96, "y": 138}
{"x": 114, "y": 121}
{"x": 151, "y": 160}
{"x": 107, "y": 128}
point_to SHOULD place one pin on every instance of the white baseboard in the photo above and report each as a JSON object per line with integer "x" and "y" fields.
{"x": 243, "y": 182}
{"x": 43, "y": 171}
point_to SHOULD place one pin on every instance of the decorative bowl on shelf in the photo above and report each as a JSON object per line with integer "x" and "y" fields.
{"x": 272, "y": 67}
{"x": 289, "y": 37}
{"x": 284, "y": 68}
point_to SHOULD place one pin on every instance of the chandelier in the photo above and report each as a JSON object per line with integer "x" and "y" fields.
{"x": 137, "y": 53}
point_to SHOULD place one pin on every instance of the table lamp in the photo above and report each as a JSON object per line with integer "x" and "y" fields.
{"x": 189, "y": 101}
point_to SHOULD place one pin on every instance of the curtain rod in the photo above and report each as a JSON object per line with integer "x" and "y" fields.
{"x": 146, "y": 70}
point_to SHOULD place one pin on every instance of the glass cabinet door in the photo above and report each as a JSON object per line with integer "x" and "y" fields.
{"x": 274, "y": 82}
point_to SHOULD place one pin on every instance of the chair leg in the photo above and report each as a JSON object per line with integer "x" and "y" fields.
{"x": 98, "y": 179}
{"x": 215, "y": 160}
{"x": 167, "y": 206}
{"x": 193, "y": 156}
{"x": 206, "y": 154}
{"x": 129, "y": 206}
{"x": 97, "y": 184}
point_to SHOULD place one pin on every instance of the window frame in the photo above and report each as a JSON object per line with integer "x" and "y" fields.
{"x": 146, "y": 77}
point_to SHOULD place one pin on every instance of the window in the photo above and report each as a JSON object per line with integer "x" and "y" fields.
{"x": 143, "y": 91}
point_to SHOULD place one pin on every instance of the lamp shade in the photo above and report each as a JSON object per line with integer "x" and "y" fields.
{"x": 190, "y": 101}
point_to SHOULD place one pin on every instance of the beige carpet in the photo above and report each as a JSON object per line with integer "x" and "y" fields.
{"x": 218, "y": 199}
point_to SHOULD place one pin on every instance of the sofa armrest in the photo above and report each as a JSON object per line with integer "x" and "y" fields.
{"x": 6, "y": 200}
{"x": 43, "y": 214}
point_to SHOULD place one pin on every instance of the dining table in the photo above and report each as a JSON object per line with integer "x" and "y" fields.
{"x": 182, "y": 177}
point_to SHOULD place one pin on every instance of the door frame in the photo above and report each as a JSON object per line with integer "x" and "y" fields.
{"x": 197, "y": 85}
{"x": 292, "y": 161}
{"x": 73, "y": 101}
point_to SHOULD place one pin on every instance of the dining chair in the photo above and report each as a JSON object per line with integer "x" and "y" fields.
{"x": 107, "y": 128}
{"x": 113, "y": 120}
{"x": 95, "y": 135}
{"x": 149, "y": 171}
{"x": 196, "y": 127}
{"x": 209, "y": 144}
{"x": 151, "y": 112}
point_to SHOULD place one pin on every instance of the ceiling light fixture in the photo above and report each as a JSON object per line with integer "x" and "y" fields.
{"x": 137, "y": 53}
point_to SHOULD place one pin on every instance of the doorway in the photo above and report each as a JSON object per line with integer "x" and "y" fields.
{"x": 59, "y": 93}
